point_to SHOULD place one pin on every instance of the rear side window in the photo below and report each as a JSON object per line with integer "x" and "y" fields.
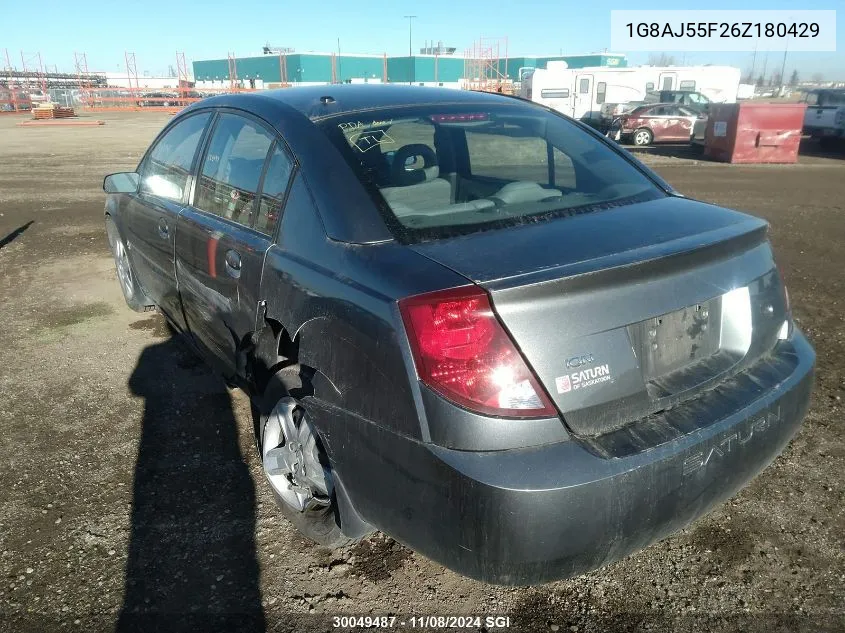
{"x": 232, "y": 168}
{"x": 166, "y": 169}
{"x": 687, "y": 84}
{"x": 273, "y": 192}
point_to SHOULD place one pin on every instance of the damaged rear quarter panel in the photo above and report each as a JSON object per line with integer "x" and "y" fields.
{"x": 339, "y": 300}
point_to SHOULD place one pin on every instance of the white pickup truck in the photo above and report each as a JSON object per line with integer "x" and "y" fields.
{"x": 825, "y": 116}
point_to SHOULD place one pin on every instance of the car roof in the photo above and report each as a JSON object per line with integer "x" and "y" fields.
{"x": 317, "y": 102}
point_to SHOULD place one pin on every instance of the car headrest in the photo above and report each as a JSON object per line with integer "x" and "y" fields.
{"x": 401, "y": 176}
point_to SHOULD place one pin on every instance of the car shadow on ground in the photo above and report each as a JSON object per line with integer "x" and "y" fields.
{"x": 809, "y": 147}
{"x": 686, "y": 151}
{"x": 192, "y": 563}
{"x": 812, "y": 147}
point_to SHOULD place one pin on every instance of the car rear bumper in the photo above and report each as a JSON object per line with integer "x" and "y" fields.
{"x": 538, "y": 514}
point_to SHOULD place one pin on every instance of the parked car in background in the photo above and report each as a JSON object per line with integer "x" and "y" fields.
{"x": 159, "y": 100}
{"x": 688, "y": 98}
{"x": 658, "y": 123}
{"x": 465, "y": 320}
{"x": 824, "y": 118}
{"x": 692, "y": 100}
{"x": 14, "y": 99}
{"x": 187, "y": 97}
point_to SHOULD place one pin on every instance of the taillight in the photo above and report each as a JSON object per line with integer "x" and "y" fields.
{"x": 462, "y": 352}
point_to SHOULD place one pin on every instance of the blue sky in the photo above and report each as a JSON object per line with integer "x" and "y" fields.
{"x": 156, "y": 29}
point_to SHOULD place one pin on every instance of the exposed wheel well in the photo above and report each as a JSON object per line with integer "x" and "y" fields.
{"x": 274, "y": 350}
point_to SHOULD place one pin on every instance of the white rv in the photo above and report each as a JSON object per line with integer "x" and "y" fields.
{"x": 584, "y": 93}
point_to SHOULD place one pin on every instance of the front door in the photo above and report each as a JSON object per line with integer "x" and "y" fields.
{"x": 223, "y": 236}
{"x": 683, "y": 122}
{"x": 151, "y": 214}
{"x": 583, "y": 100}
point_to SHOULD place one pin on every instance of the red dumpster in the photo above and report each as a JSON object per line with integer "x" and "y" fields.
{"x": 754, "y": 132}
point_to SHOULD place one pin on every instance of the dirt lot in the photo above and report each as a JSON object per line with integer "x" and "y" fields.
{"x": 131, "y": 496}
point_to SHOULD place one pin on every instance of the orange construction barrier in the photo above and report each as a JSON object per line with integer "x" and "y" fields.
{"x": 145, "y": 99}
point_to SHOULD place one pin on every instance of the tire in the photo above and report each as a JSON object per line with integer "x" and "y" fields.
{"x": 642, "y": 137}
{"x": 133, "y": 294}
{"x": 320, "y": 524}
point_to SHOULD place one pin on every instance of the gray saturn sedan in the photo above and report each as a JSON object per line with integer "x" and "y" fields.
{"x": 464, "y": 320}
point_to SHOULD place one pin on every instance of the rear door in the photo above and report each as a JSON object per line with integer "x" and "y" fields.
{"x": 686, "y": 118}
{"x": 150, "y": 215}
{"x": 224, "y": 234}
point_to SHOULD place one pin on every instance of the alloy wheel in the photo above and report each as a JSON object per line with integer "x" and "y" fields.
{"x": 642, "y": 137}
{"x": 291, "y": 456}
{"x": 124, "y": 270}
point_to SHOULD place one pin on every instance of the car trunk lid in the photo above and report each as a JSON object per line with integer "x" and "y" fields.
{"x": 628, "y": 312}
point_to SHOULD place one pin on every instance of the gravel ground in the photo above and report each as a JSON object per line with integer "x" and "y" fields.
{"x": 132, "y": 498}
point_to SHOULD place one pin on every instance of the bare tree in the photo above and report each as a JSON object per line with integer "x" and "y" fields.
{"x": 793, "y": 79}
{"x": 661, "y": 59}
{"x": 775, "y": 79}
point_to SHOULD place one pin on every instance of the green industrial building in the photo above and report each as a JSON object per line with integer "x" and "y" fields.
{"x": 322, "y": 68}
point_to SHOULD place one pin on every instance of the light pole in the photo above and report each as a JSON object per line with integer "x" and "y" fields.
{"x": 782, "y": 70}
{"x": 410, "y": 19}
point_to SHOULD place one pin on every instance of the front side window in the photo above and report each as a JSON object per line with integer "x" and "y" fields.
{"x": 166, "y": 169}
{"x": 444, "y": 170}
{"x": 232, "y": 168}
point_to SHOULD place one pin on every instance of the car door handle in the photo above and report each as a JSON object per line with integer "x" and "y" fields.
{"x": 163, "y": 229}
{"x": 233, "y": 264}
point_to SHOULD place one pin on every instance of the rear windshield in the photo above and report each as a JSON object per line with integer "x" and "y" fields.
{"x": 442, "y": 170}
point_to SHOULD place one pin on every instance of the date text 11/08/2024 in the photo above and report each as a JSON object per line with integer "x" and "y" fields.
{"x": 352, "y": 622}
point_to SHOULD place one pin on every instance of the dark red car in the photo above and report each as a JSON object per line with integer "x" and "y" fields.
{"x": 655, "y": 123}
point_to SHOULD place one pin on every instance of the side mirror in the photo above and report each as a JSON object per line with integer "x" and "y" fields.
{"x": 123, "y": 182}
